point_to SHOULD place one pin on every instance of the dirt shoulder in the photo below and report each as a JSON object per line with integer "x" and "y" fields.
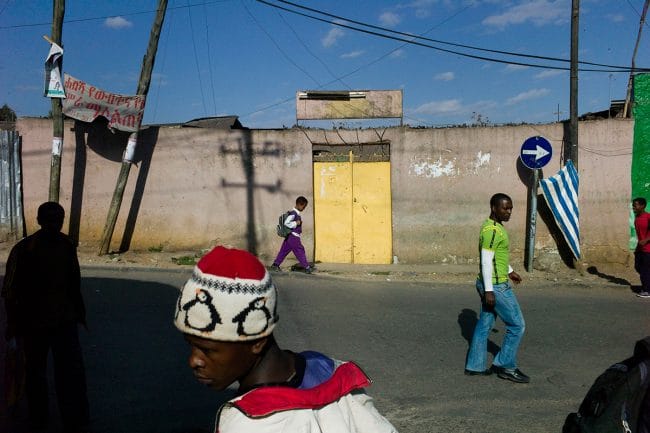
{"x": 182, "y": 261}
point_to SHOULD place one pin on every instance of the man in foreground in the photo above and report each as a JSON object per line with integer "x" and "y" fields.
{"x": 497, "y": 298}
{"x": 227, "y": 311}
{"x": 42, "y": 292}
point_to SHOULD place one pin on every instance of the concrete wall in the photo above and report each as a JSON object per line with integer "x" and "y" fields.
{"x": 193, "y": 188}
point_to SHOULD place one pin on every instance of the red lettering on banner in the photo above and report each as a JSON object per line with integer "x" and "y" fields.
{"x": 115, "y": 118}
{"x": 129, "y": 121}
{"x": 75, "y": 85}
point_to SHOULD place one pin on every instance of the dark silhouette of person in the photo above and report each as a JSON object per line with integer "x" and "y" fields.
{"x": 42, "y": 293}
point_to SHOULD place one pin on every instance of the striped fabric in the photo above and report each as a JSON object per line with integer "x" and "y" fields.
{"x": 561, "y": 195}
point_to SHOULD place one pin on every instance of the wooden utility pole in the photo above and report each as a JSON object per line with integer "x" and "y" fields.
{"x": 127, "y": 158}
{"x": 627, "y": 112}
{"x": 573, "y": 87}
{"x": 57, "y": 112}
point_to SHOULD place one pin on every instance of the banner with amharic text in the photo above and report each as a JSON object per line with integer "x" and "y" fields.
{"x": 86, "y": 102}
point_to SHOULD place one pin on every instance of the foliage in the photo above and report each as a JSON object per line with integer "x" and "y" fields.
{"x": 185, "y": 260}
{"x": 7, "y": 114}
{"x": 480, "y": 119}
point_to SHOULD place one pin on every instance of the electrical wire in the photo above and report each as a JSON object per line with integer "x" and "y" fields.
{"x": 80, "y": 20}
{"x": 354, "y": 71}
{"x": 196, "y": 58}
{"x": 509, "y": 53}
{"x": 311, "y": 52}
{"x": 162, "y": 66}
{"x": 5, "y": 7}
{"x": 285, "y": 55}
{"x": 459, "y": 53}
{"x": 207, "y": 39}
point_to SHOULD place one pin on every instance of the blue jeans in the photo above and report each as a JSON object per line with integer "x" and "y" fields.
{"x": 507, "y": 308}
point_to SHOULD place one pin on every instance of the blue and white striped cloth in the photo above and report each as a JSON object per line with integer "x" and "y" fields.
{"x": 561, "y": 195}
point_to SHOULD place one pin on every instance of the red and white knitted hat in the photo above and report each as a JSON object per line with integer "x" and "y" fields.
{"x": 230, "y": 297}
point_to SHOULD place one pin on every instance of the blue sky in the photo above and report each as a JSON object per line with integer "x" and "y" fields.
{"x": 246, "y": 58}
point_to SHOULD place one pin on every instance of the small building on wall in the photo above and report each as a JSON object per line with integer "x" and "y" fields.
{"x": 415, "y": 194}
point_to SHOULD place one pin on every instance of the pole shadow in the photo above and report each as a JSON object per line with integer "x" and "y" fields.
{"x": 147, "y": 139}
{"x": 109, "y": 145}
{"x": 248, "y": 153}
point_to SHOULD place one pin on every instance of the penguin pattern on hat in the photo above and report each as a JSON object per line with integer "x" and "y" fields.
{"x": 229, "y": 297}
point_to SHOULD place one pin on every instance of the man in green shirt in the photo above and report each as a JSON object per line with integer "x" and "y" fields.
{"x": 497, "y": 298}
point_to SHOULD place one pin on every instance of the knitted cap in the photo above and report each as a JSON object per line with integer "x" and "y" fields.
{"x": 230, "y": 297}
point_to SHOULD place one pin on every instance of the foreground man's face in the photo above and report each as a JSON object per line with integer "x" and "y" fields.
{"x": 218, "y": 364}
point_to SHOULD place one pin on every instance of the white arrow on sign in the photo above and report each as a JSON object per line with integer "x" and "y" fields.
{"x": 539, "y": 152}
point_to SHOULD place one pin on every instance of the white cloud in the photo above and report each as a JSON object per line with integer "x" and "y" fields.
{"x": 512, "y": 68}
{"x": 422, "y": 7}
{"x": 526, "y": 96}
{"x": 332, "y": 37}
{"x": 616, "y": 18}
{"x": 549, "y": 73}
{"x": 352, "y": 54}
{"x": 539, "y": 12}
{"x": 117, "y": 23}
{"x": 454, "y": 107}
{"x": 389, "y": 19}
{"x": 399, "y": 53}
{"x": 449, "y": 106}
{"x": 444, "y": 76}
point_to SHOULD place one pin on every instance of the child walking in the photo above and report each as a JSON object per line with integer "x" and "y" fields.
{"x": 292, "y": 241}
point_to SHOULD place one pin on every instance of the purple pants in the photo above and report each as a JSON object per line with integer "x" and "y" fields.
{"x": 292, "y": 244}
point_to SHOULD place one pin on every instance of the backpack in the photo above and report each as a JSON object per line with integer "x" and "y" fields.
{"x": 619, "y": 400}
{"x": 282, "y": 230}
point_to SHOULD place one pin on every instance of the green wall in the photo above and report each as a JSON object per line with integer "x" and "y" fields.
{"x": 641, "y": 147}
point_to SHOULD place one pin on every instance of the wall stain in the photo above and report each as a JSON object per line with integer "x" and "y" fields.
{"x": 432, "y": 169}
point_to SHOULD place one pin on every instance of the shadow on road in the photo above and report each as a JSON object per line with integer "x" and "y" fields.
{"x": 467, "y": 321}
{"x": 593, "y": 270}
{"x": 136, "y": 365}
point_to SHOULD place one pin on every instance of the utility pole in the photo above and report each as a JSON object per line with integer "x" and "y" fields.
{"x": 573, "y": 87}
{"x": 57, "y": 112}
{"x": 127, "y": 158}
{"x": 627, "y": 112}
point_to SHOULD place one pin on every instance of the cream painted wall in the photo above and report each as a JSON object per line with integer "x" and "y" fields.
{"x": 200, "y": 187}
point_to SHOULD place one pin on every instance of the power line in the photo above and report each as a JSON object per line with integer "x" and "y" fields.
{"x": 196, "y": 58}
{"x": 411, "y": 35}
{"x": 311, "y": 52}
{"x": 162, "y": 67}
{"x": 207, "y": 38}
{"x": 459, "y": 53}
{"x": 285, "y": 55}
{"x": 79, "y": 20}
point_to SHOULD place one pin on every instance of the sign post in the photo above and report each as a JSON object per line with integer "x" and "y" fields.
{"x": 535, "y": 153}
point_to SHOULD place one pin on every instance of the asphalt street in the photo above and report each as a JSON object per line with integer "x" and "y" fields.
{"x": 410, "y": 337}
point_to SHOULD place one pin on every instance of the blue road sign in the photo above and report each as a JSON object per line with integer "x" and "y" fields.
{"x": 536, "y": 152}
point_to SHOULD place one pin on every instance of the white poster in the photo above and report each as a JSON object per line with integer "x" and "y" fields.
{"x": 53, "y": 82}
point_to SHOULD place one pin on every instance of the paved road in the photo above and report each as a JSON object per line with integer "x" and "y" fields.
{"x": 411, "y": 337}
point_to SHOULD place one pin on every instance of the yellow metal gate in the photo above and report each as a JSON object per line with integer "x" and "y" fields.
{"x": 352, "y": 211}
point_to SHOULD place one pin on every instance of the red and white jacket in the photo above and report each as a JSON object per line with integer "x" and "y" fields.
{"x": 336, "y": 405}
